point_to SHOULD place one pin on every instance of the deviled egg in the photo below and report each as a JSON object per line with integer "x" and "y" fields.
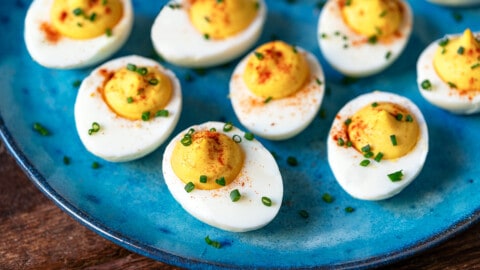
{"x": 127, "y": 107}
{"x": 377, "y": 145}
{"x": 204, "y": 33}
{"x": 448, "y": 73}
{"x": 277, "y": 90}
{"x": 363, "y": 37}
{"x": 75, "y": 34}
{"x": 223, "y": 177}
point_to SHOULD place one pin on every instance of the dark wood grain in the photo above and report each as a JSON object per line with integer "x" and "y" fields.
{"x": 36, "y": 234}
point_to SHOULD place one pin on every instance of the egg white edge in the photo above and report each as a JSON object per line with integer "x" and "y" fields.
{"x": 441, "y": 94}
{"x": 214, "y": 207}
{"x": 173, "y": 25}
{"x": 291, "y": 115}
{"x": 366, "y": 183}
{"x": 69, "y": 53}
{"x": 352, "y": 61}
{"x": 120, "y": 139}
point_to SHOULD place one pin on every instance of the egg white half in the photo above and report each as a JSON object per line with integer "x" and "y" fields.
{"x": 371, "y": 182}
{"x": 179, "y": 42}
{"x": 121, "y": 139}
{"x": 283, "y": 118}
{"x": 68, "y": 53}
{"x": 259, "y": 176}
{"x": 359, "y": 58}
{"x": 441, "y": 94}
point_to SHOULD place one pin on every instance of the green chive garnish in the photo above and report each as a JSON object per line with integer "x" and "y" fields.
{"x": 461, "y": 50}
{"x": 221, "y": 181}
{"x": 142, "y": 71}
{"x": 108, "y": 32}
{"x": 186, "y": 140}
{"x": 203, "y": 179}
{"x": 146, "y": 116}
{"x": 77, "y": 12}
{"x": 319, "y": 82}
{"x": 368, "y": 154}
{"x": 366, "y": 148}
{"x": 409, "y": 118}
{"x": 228, "y": 127}
{"x": 348, "y": 121}
{"x": 189, "y": 187}
{"x": 76, "y": 83}
{"x": 374, "y": 104}
{"x": 378, "y": 157}
{"x": 268, "y": 99}
{"x": 212, "y": 243}
{"x": 443, "y": 42}
{"x": 388, "y": 55}
{"x": 396, "y": 176}
{"x": 93, "y": 16}
{"x": 236, "y": 138}
{"x": 393, "y": 139}
{"x": 349, "y": 209}
{"x": 131, "y": 67}
{"x": 95, "y": 165}
{"x": 292, "y": 161}
{"x": 340, "y": 142}
{"x": 235, "y": 195}
{"x": 426, "y": 85}
{"x": 303, "y": 213}
{"x": 66, "y": 160}
{"x": 452, "y": 85}
{"x": 153, "y": 81}
{"x": 326, "y": 197}
{"x": 206, "y": 36}
{"x": 266, "y": 201}
{"x": 365, "y": 163}
{"x": 249, "y": 136}
{"x": 474, "y": 66}
{"x": 372, "y": 39}
{"x": 399, "y": 117}
{"x": 162, "y": 113}
{"x": 41, "y": 129}
{"x": 259, "y": 55}
{"x": 95, "y": 128}
{"x": 129, "y": 99}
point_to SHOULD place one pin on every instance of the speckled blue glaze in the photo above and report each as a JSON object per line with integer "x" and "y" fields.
{"x": 129, "y": 204}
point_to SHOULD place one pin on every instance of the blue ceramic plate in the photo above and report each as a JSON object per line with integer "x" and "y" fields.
{"x": 129, "y": 203}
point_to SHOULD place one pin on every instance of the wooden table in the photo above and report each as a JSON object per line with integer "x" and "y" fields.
{"x": 36, "y": 234}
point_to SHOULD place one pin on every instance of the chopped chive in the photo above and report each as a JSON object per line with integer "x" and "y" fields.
{"x": 372, "y": 39}
{"x": 349, "y": 144}
{"x": 206, "y": 36}
{"x": 319, "y": 82}
{"x": 212, "y": 243}
{"x": 474, "y": 66}
{"x": 348, "y": 2}
{"x": 220, "y": 181}
{"x": 77, "y": 12}
{"x": 399, "y": 117}
{"x": 131, "y": 67}
{"x": 323, "y": 35}
{"x": 108, "y": 32}
{"x": 326, "y": 197}
{"x": 249, "y": 136}
{"x": 95, "y": 128}
{"x": 104, "y": 2}
{"x": 142, "y": 71}
{"x": 203, "y": 179}
{"x": 76, "y": 83}
{"x": 186, "y": 141}
{"x": 93, "y": 16}
{"x": 266, "y": 201}
{"x": 95, "y": 165}
{"x": 189, "y": 187}
{"x": 66, "y": 160}
{"x": 374, "y": 104}
{"x": 409, "y": 118}
{"x": 228, "y": 127}
{"x": 259, "y": 55}
{"x": 368, "y": 154}
{"x": 267, "y": 100}
{"x": 235, "y": 195}
{"x": 388, "y": 55}
{"x": 452, "y": 85}
{"x": 426, "y": 85}
{"x": 382, "y": 14}
{"x": 365, "y": 163}
{"x": 348, "y": 121}
{"x": 366, "y": 148}
{"x": 378, "y": 157}
{"x": 153, "y": 81}
{"x": 396, "y": 176}
{"x": 162, "y": 113}
{"x": 294, "y": 49}
{"x": 461, "y": 50}
{"x": 146, "y": 116}
{"x": 213, "y": 129}
{"x": 457, "y": 16}
{"x": 292, "y": 161}
{"x": 349, "y": 209}
{"x": 340, "y": 142}
{"x": 175, "y": 6}
{"x": 129, "y": 99}
{"x": 303, "y": 213}
{"x": 40, "y": 129}
{"x": 393, "y": 139}
{"x": 443, "y": 42}
{"x": 236, "y": 138}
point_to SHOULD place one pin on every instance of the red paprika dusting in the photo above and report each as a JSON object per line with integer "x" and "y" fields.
{"x": 51, "y": 34}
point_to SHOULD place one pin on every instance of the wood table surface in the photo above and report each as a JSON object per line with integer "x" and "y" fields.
{"x": 36, "y": 234}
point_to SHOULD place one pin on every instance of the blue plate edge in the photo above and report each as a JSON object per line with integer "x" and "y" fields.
{"x": 163, "y": 256}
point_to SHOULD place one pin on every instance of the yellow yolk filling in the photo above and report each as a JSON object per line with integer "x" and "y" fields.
{"x": 381, "y": 127}
{"x": 134, "y": 94}
{"x": 222, "y": 19}
{"x": 85, "y": 19}
{"x": 276, "y": 70}
{"x": 457, "y": 62}
{"x": 379, "y": 18}
{"x": 211, "y": 154}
